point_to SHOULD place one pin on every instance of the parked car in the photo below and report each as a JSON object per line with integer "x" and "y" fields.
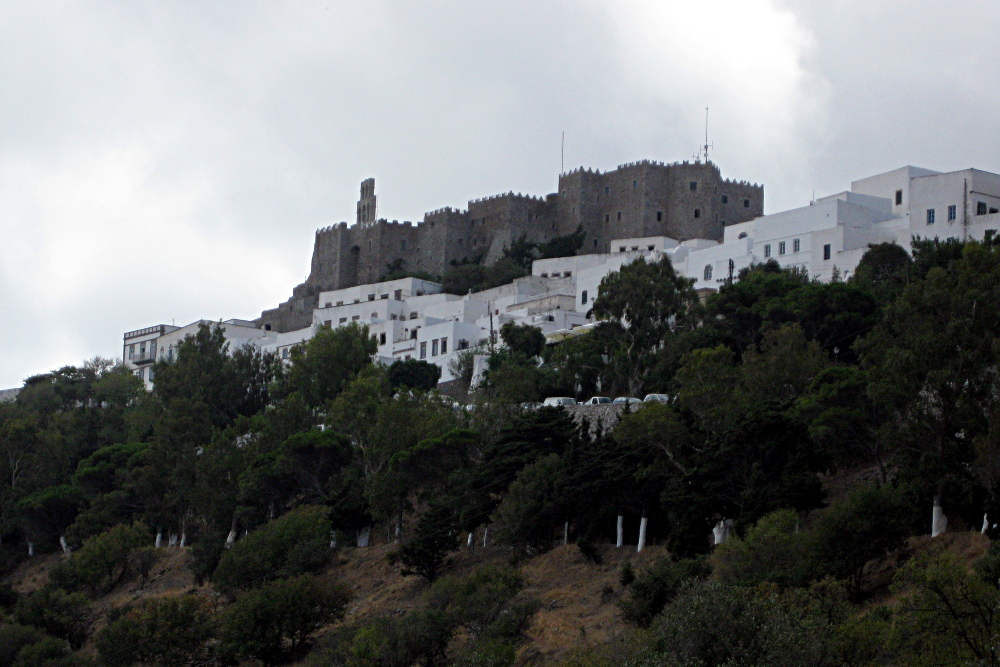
{"x": 598, "y": 400}
{"x": 531, "y": 405}
{"x": 656, "y": 398}
{"x": 627, "y": 400}
{"x": 558, "y": 400}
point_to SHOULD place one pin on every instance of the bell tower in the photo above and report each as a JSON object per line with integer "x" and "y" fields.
{"x": 368, "y": 203}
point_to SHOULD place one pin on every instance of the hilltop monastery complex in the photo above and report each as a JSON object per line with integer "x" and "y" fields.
{"x": 709, "y": 227}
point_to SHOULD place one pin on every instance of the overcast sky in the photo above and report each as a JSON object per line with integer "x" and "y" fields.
{"x": 167, "y": 161}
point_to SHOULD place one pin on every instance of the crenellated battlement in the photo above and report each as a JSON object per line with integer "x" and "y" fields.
{"x": 605, "y": 205}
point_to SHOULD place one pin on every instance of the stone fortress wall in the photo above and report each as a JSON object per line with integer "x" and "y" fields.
{"x": 683, "y": 200}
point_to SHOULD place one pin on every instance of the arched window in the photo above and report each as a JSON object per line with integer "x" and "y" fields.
{"x": 708, "y": 272}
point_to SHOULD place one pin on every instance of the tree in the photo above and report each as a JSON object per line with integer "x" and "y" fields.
{"x": 869, "y": 523}
{"x": 950, "y": 617}
{"x": 774, "y": 550}
{"x": 158, "y": 631}
{"x": 323, "y": 366}
{"x": 292, "y": 544}
{"x": 523, "y": 339}
{"x": 563, "y": 246}
{"x": 61, "y": 614}
{"x": 884, "y": 270}
{"x": 414, "y": 374}
{"x": 103, "y": 561}
{"x": 268, "y": 623}
{"x": 931, "y": 363}
{"x": 533, "y": 506}
{"x": 436, "y": 536}
{"x": 648, "y": 302}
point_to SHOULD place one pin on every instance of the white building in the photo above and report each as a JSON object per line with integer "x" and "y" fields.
{"x": 414, "y": 319}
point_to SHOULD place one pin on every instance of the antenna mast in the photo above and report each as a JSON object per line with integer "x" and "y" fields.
{"x": 707, "y": 145}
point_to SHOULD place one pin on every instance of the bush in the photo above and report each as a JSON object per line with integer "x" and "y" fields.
{"x": 103, "y": 561}
{"x": 61, "y": 614}
{"x": 654, "y": 588}
{"x": 164, "y": 631}
{"x": 988, "y": 566}
{"x": 718, "y": 624}
{"x": 50, "y": 652}
{"x": 866, "y": 525}
{"x": 292, "y": 544}
{"x": 268, "y": 623}
{"x": 773, "y": 550}
{"x": 13, "y": 638}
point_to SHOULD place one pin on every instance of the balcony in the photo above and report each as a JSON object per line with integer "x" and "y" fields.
{"x": 142, "y": 360}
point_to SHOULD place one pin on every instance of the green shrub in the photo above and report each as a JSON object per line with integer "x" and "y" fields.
{"x": 657, "y": 586}
{"x": 162, "y": 631}
{"x": 103, "y": 561}
{"x": 988, "y": 566}
{"x": 292, "y": 544}
{"x": 268, "y": 623}
{"x": 866, "y": 525}
{"x": 773, "y": 550}
{"x": 13, "y": 638}
{"x": 50, "y": 652}
{"x": 61, "y": 614}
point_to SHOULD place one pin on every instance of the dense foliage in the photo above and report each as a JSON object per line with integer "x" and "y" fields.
{"x": 262, "y": 468}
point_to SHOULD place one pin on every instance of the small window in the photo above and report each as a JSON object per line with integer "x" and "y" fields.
{"x": 393, "y": 317}
{"x": 607, "y": 189}
{"x": 697, "y": 213}
{"x": 383, "y": 296}
{"x": 413, "y": 315}
{"x": 781, "y": 247}
{"x": 952, "y": 212}
{"x": 355, "y": 318}
{"x": 634, "y": 248}
{"x": 423, "y": 350}
{"x": 899, "y": 197}
{"x": 545, "y": 275}
{"x": 930, "y": 216}
{"x": 142, "y": 350}
{"x": 374, "y": 316}
{"x": 651, "y": 248}
{"x": 444, "y": 346}
{"x": 583, "y": 296}
{"x": 607, "y": 217}
{"x": 371, "y": 297}
{"x": 621, "y": 249}
{"x": 693, "y": 186}
{"x": 131, "y": 351}
{"x": 342, "y": 320}
{"x": 767, "y": 250}
{"x": 284, "y": 353}
{"x": 567, "y": 274}
{"x": 742, "y": 235}
{"x": 981, "y": 208}
{"x": 340, "y": 303}
{"x": 796, "y": 245}
{"x": 620, "y": 214}
{"x": 725, "y": 199}
{"x": 381, "y": 338}
{"x": 659, "y": 216}
{"x": 413, "y": 335}
{"x": 993, "y": 210}
{"x": 434, "y": 347}
{"x": 826, "y": 251}
{"x": 635, "y": 184}
{"x": 328, "y": 323}
{"x": 746, "y": 203}
{"x": 708, "y": 272}
{"x": 398, "y": 295}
